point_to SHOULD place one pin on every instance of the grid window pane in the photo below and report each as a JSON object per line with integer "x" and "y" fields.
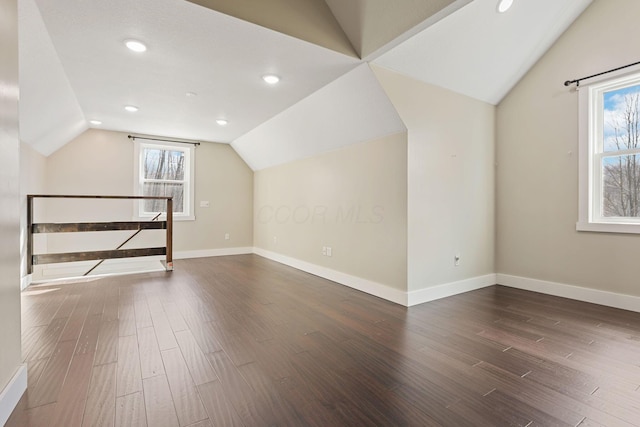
{"x": 621, "y": 119}
{"x": 163, "y": 189}
{"x": 163, "y": 164}
{"x": 621, "y": 186}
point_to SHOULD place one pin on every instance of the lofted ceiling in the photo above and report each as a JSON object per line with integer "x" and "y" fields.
{"x": 205, "y": 60}
{"x": 481, "y": 53}
{"x": 351, "y": 109}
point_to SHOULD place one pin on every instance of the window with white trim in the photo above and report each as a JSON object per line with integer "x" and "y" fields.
{"x": 165, "y": 169}
{"x": 610, "y": 155}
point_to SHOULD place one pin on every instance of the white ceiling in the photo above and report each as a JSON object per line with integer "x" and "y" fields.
{"x": 353, "y": 108}
{"x": 40, "y": 122}
{"x": 74, "y": 67}
{"x": 481, "y": 53}
{"x": 370, "y": 25}
{"x": 190, "y": 49}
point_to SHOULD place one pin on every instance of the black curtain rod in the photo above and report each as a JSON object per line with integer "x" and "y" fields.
{"x": 577, "y": 81}
{"x": 132, "y": 137}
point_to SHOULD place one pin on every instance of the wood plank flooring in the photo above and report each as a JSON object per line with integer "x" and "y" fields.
{"x": 243, "y": 341}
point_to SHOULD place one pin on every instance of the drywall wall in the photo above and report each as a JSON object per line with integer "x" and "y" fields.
{"x": 450, "y": 181}
{"x": 353, "y": 200}
{"x": 32, "y": 181}
{"x": 537, "y": 154}
{"x": 10, "y": 352}
{"x": 101, "y": 162}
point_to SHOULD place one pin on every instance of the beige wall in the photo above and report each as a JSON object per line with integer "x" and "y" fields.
{"x": 101, "y": 162}
{"x": 353, "y": 200}
{"x": 33, "y": 167}
{"x": 9, "y": 201}
{"x": 537, "y": 153}
{"x": 450, "y": 181}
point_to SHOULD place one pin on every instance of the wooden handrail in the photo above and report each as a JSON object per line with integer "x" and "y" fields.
{"x": 80, "y": 227}
{"x": 86, "y": 196}
{"x": 97, "y": 255}
{"x": 99, "y": 226}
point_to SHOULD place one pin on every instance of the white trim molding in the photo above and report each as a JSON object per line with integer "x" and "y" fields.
{"x": 116, "y": 267}
{"x": 205, "y": 253}
{"x": 433, "y": 293}
{"x": 368, "y": 286}
{"x": 608, "y": 227}
{"x": 595, "y": 296}
{"x": 592, "y": 152}
{"x": 380, "y": 290}
{"x": 12, "y": 393}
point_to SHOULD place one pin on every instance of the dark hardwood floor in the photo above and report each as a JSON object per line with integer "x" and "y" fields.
{"x": 243, "y": 341}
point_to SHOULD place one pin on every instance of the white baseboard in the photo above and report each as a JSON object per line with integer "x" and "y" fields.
{"x": 110, "y": 267}
{"x": 449, "y": 289}
{"x": 378, "y": 289}
{"x": 611, "y": 299}
{"x": 205, "y": 253}
{"x": 114, "y": 267}
{"x": 12, "y": 393}
{"x": 368, "y": 286}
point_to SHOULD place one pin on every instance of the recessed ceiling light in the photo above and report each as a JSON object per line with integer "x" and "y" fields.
{"x": 95, "y": 122}
{"x": 135, "y": 45}
{"x": 271, "y": 78}
{"x": 131, "y": 108}
{"x": 504, "y": 5}
{"x": 191, "y": 94}
{"x": 222, "y": 122}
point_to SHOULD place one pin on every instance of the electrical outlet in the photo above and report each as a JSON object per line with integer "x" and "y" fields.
{"x": 324, "y": 250}
{"x": 275, "y": 239}
{"x": 226, "y": 236}
{"x": 456, "y": 260}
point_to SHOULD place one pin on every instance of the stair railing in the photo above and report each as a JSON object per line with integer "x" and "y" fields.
{"x": 137, "y": 226}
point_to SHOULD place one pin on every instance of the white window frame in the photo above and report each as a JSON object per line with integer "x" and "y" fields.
{"x": 189, "y": 181}
{"x": 591, "y": 153}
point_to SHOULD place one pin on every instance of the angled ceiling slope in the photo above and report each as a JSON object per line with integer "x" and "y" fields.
{"x": 190, "y": 49}
{"x": 372, "y": 25}
{"x": 77, "y": 68}
{"x": 355, "y": 27}
{"x": 352, "y": 109}
{"x": 49, "y": 112}
{"x": 309, "y": 20}
{"x": 481, "y": 53}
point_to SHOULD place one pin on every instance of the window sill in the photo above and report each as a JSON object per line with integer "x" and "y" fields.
{"x": 600, "y": 227}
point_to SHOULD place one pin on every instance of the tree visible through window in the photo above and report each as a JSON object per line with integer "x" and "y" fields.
{"x": 621, "y": 153}
{"x": 609, "y": 166}
{"x": 165, "y": 170}
{"x": 163, "y": 175}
